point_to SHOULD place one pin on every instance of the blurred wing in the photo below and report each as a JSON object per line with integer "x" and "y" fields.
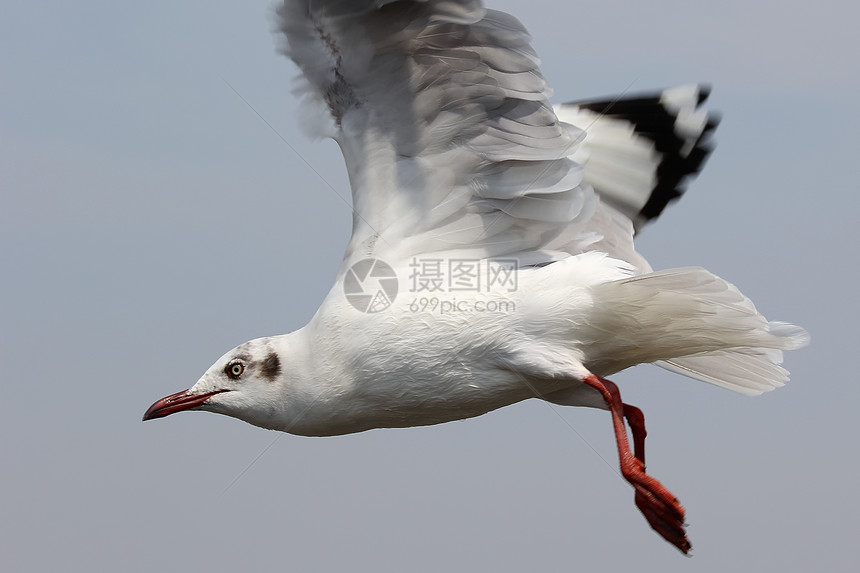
{"x": 443, "y": 119}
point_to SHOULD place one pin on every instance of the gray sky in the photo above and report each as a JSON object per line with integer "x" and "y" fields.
{"x": 150, "y": 221}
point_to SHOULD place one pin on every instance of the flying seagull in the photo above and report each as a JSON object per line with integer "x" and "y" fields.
{"x": 491, "y": 257}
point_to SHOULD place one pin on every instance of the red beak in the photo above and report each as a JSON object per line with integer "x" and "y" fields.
{"x": 177, "y": 403}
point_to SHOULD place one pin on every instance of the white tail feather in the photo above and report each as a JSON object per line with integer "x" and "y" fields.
{"x": 692, "y": 322}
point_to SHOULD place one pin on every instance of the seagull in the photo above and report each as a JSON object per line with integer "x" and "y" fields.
{"x": 491, "y": 258}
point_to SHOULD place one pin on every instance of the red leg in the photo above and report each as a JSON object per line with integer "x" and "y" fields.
{"x": 662, "y": 509}
{"x": 636, "y": 421}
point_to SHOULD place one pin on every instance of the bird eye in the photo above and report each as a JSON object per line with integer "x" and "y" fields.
{"x": 234, "y": 369}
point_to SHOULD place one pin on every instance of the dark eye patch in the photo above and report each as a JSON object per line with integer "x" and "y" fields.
{"x": 271, "y": 366}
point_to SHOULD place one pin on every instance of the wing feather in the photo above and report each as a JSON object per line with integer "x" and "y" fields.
{"x": 442, "y": 114}
{"x": 443, "y": 117}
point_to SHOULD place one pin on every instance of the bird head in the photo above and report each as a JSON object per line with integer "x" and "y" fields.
{"x": 245, "y": 383}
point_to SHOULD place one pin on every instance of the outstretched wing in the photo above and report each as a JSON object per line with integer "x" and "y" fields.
{"x": 443, "y": 118}
{"x": 452, "y": 147}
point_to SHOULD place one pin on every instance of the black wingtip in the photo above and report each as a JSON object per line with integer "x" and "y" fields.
{"x": 682, "y": 154}
{"x": 704, "y": 92}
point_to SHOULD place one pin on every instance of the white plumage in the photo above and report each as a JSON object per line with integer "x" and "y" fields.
{"x": 458, "y": 161}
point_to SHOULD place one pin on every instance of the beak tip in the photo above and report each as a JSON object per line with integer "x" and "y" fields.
{"x": 163, "y": 407}
{"x": 151, "y": 412}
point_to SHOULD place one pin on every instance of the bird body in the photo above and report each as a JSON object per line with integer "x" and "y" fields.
{"x": 412, "y": 365}
{"x": 492, "y": 255}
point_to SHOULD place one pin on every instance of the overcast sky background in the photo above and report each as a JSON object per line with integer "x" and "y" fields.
{"x": 149, "y": 221}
